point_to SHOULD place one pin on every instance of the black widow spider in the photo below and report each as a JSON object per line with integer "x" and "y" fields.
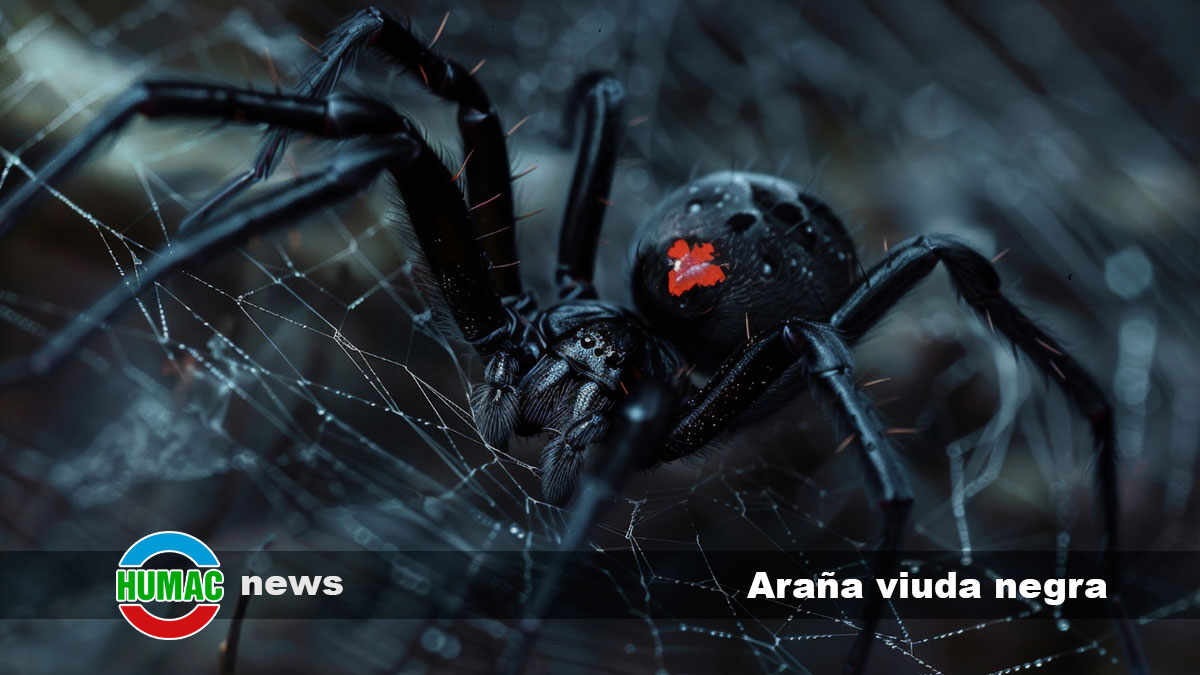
{"x": 722, "y": 247}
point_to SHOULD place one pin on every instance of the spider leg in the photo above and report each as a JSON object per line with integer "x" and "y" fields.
{"x": 434, "y": 204}
{"x": 489, "y": 187}
{"x": 318, "y": 82}
{"x": 638, "y": 427}
{"x": 826, "y": 361}
{"x": 336, "y": 116}
{"x": 977, "y": 282}
{"x": 597, "y": 98}
{"x": 830, "y": 364}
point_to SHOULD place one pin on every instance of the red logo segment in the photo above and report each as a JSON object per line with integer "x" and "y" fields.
{"x": 691, "y": 267}
{"x": 169, "y": 629}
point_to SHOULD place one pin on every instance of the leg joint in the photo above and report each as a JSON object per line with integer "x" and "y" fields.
{"x": 818, "y": 345}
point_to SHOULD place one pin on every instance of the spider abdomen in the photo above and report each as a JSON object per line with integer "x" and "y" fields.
{"x": 736, "y": 252}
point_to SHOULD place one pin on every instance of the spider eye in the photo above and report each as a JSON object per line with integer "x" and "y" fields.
{"x": 587, "y": 342}
{"x": 614, "y": 359}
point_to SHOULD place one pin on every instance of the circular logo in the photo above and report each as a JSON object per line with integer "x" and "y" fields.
{"x": 137, "y": 585}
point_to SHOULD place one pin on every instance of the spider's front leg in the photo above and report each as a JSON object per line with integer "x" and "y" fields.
{"x": 825, "y": 360}
{"x": 571, "y": 392}
{"x": 589, "y": 355}
{"x": 489, "y": 189}
{"x": 494, "y": 402}
{"x": 593, "y": 115}
{"x": 334, "y": 117}
{"x": 638, "y": 425}
{"x": 434, "y": 203}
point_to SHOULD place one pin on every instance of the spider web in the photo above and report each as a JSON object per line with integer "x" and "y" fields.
{"x": 295, "y": 391}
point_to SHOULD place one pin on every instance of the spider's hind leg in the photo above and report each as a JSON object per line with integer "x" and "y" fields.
{"x": 825, "y": 360}
{"x": 977, "y": 282}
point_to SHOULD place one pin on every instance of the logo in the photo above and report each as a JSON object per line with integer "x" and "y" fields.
{"x": 137, "y": 585}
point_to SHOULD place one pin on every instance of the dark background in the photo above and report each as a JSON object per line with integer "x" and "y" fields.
{"x": 312, "y": 406}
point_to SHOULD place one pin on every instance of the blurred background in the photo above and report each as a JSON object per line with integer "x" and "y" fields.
{"x": 295, "y": 391}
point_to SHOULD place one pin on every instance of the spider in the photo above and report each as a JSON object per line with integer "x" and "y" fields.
{"x": 723, "y": 246}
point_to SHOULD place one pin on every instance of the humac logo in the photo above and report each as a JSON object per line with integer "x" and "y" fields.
{"x": 138, "y": 585}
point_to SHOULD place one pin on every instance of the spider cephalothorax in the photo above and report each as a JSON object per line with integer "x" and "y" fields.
{"x": 741, "y": 275}
{"x": 589, "y": 353}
